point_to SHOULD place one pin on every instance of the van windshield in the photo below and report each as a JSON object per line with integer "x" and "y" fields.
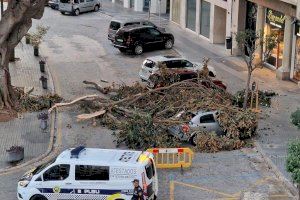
{"x": 65, "y": 1}
{"x": 43, "y": 166}
{"x": 114, "y": 25}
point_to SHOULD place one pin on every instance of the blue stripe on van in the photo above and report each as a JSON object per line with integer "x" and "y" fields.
{"x": 80, "y": 191}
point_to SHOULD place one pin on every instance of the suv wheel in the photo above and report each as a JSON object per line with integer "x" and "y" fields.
{"x": 96, "y": 8}
{"x": 77, "y": 12}
{"x": 138, "y": 49}
{"x": 169, "y": 44}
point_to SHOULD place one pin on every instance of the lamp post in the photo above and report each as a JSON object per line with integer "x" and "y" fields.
{"x": 159, "y": 13}
{"x": 2, "y": 9}
{"x": 149, "y": 10}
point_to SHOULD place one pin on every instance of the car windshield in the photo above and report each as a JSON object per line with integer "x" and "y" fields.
{"x": 43, "y": 166}
{"x": 65, "y": 1}
{"x": 179, "y": 64}
{"x": 114, "y": 25}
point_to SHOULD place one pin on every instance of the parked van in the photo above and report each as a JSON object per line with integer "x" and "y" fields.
{"x": 120, "y": 22}
{"x": 89, "y": 173}
{"x": 76, "y": 7}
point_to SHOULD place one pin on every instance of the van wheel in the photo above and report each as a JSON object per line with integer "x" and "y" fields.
{"x": 138, "y": 49}
{"x": 77, "y": 12}
{"x": 169, "y": 44}
{"x": 38, "y": 197}
{"x": 56, "y": 7}
{"x": 96, "y": 8}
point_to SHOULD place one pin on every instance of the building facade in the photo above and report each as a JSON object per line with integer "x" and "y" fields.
{"x": 218, "y": 20}
{"x": 155, "y": 6}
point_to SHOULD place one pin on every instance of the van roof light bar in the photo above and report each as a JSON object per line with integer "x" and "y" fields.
{"x": 75, "y": 152}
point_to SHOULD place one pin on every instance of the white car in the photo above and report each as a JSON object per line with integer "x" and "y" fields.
{"x": 89, "y": 173}
{"x": 150, "y": 66}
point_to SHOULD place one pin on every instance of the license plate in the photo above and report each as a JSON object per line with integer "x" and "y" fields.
{"x": 120, "y": 40}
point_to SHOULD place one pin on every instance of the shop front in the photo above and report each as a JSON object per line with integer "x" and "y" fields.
{"x": 295, "y": 71}
{"x": 275, "y": 23}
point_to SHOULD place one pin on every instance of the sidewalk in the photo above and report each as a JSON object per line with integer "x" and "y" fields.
{"x": 275, "y": 129}
{"x": 25, "y": 130}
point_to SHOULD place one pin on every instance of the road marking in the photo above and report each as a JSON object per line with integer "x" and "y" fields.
{"x": 202, "y": 188}
{"x": 172, "y": 190}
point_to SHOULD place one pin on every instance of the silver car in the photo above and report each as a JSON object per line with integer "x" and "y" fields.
{"x": 151, "y": 66}
{"x": 120, "y": 22}
{"x": 76, "y": 7}
{"x": 200, "y": 120}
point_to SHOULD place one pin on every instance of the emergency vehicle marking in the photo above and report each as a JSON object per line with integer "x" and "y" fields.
{"x": 123, "y": 173}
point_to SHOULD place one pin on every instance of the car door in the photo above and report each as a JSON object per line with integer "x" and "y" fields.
{"x": 90, "y": 5}
{"x": 208, "y": 123}
{"x": 82, "y": 5}
{"x": 57, "y": 182}
{"x": 156, "y": 36}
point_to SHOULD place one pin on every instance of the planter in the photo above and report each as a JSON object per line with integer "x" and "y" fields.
{"x": 44, "y": 82}
{"x": 42, "y": 66}
{"x": 27, "y": 40}
{"x": 15, "y": 154}
{"x": 36, "y": 51}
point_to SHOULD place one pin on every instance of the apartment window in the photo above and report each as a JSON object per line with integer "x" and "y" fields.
{"x": 205, "y": 19}
{"x": 191, "y": 15}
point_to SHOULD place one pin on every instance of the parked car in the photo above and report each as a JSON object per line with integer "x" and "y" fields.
{"x": 138, "y": 38}
{"x": 120, "y": 22}
{"x": 76, "y": 7}
{"x": 200, "y": 120}
{"x": 54, "y": 4}
{"x": 182, "y": 67}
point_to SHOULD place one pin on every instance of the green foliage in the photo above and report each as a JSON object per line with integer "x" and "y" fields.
{"x": 295, "y": 117}
{"x": 293, "y": 160}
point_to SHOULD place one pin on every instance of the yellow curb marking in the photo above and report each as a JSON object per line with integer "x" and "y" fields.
{"x": 202, "y": 188}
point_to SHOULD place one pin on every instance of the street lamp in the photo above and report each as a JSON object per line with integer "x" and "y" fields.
{"x": 2, "y": 9}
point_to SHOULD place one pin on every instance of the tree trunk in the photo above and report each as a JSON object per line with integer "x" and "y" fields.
{"x": 247, "y": 90}
{"x": 6, "y": 90}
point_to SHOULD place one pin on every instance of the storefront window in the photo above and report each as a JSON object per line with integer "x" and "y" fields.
{"x": 176, "y": 11}
{"x": 296, "y": 72}
{"x": 275, "y": 22}
{"x": 191, "y": 15}
{"x": 205, "y": 19}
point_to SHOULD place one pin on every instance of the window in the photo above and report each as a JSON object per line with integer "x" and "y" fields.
{"x": 132, "y": 23}
{"x": 191, "y": 15}
{"x": 81, "y": 1}
{"x": 178, "y": 64}
{"x": 43, "y": 166}
{"x": 76, "y": 1}
{"x": 114, "y": 25}
{"x": 205, "y": 19}
{"x": 207, "y": 118}
{"x": 92, "y": 173}
{"x": 147, "y": 23}
{"x": 154, "y": 32}
{"x": 150, "y": 171}
{"x": 57, "y": 173}
{"x": 65, "y": 1}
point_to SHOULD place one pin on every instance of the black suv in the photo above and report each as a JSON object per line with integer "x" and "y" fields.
{"x": 138, "y": 38}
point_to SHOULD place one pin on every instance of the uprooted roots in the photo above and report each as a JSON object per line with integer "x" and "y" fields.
{"x": 142, "y": 116}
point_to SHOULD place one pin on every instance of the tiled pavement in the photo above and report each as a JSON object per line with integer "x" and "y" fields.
{"x": 25, "y": 130}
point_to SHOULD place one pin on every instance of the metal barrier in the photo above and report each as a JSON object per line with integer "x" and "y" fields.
{"x": 172, "y": 157}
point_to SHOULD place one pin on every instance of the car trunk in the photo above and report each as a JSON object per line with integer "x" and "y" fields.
{"x": 121, "y": 38}
{"x": 113, "y": 28}
{"x": 66, "y": 5}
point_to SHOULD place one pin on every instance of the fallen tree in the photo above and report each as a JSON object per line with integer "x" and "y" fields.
{"x": 141, "y": 116}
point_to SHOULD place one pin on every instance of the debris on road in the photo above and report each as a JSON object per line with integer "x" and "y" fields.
{"x": 264, "y": 98}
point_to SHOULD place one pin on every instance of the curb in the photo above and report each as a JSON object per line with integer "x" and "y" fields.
{"x": 52, "y": 149}
{"x": 286, "y": 183}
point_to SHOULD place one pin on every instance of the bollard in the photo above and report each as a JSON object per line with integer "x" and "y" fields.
{"x": 42, "y": 66}
{"x": 44, "y": 82}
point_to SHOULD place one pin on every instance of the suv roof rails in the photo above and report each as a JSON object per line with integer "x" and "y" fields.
{"x": 75, "y": 152}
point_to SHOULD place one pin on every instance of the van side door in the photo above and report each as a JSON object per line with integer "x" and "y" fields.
{"x": 90, "y": 5}
{"x": 56, "y": 181}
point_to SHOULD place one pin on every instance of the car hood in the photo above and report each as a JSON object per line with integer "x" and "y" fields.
{"x": 199, "y": 66}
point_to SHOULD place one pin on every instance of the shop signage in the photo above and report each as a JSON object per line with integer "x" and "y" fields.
{"x": 275, "y": 18}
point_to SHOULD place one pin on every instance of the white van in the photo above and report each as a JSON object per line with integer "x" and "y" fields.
{"x": 76, "y": 7}
{"x": 89, "y": 173}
